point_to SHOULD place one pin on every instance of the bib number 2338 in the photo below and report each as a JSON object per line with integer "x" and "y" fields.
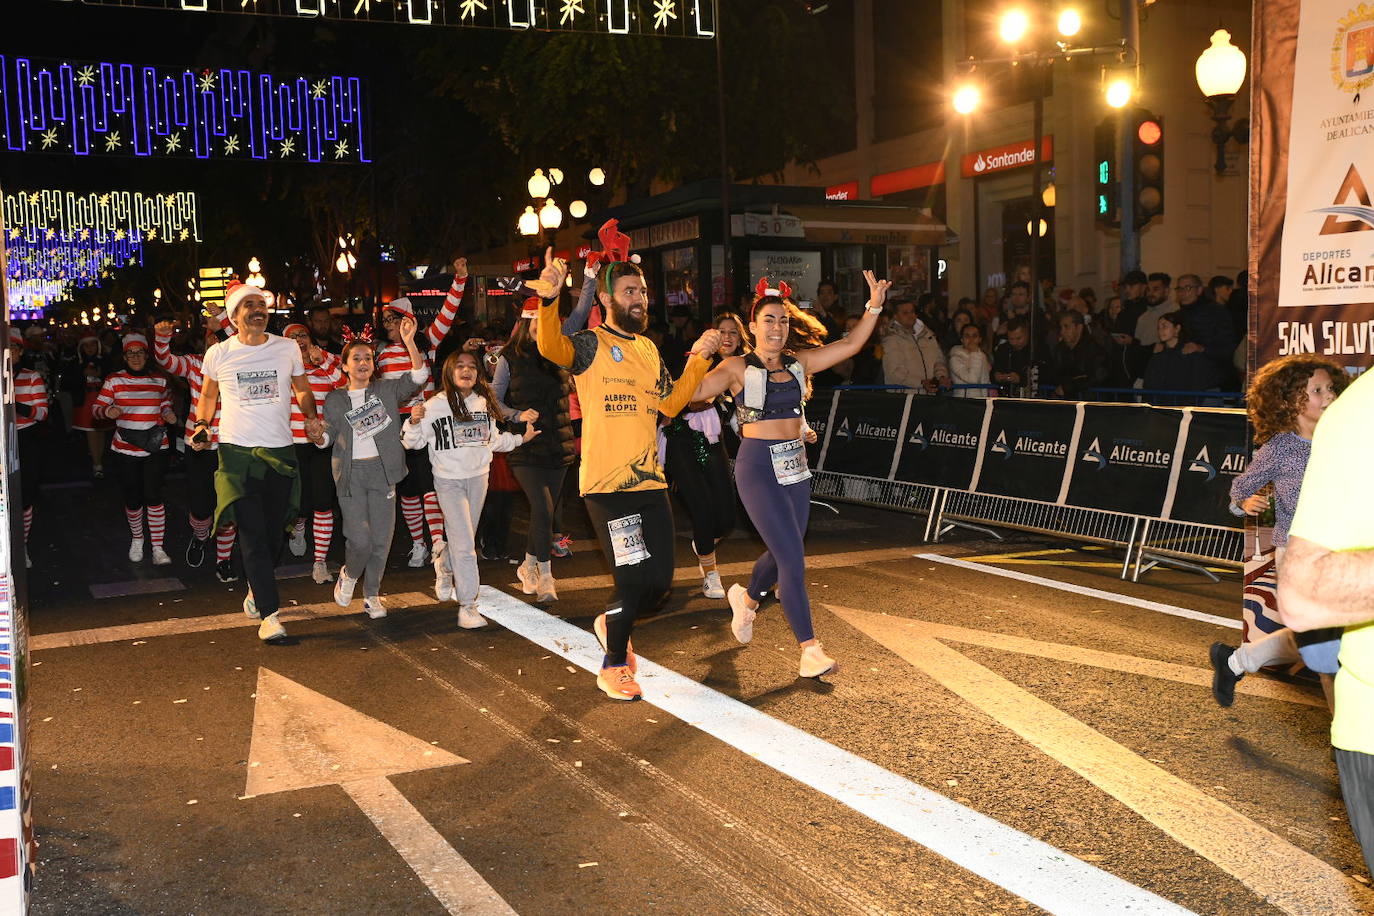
{"x": 789, "y": 462}
{"x": 627, "y": 540}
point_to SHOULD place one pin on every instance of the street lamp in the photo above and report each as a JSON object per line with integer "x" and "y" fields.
{"x": 597, "y": 177}
{"x": 1119, "y": 92}
{"x": 1013, "y": 26}
{"x": 577, "y": 209}
{"x": 1220, "y": 72}
{"x": 1070, "y": 22}
{"x": 550, "y": 217}
{"x": 538, "y": 185}
{"x": 529, "y": 222}
{"x": 966, "y": 99}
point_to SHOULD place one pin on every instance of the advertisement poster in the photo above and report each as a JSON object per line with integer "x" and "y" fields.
{"x": 863, "y": 434}
{"x": 940, "y": 441}
{"x": 1026, "y": 449}
{"x": 1215, "y": 452}
{"x": 1124, "y": 457}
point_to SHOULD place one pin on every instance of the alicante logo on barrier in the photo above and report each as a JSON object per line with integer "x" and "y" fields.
{"x": 1127, "y": 451}
{"x": 1029, "y": 442}
{"x": 942, "y": 435}
{"x": 864, "y": 429}
{"x": 1352, "y": 50}
{"x": 1233, "y": 462}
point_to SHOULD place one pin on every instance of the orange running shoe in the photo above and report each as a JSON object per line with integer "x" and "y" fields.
{"x": 618, "y": 683}
{"x": 599, "y": 628}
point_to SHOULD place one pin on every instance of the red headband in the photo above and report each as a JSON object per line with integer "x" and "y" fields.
{"x": 364, "y": 337}
{"x": 783, "y": 291}
{"x": 615, "y": 245}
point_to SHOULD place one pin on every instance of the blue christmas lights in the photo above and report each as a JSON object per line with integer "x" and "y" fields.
{"x": 111, "y": 109}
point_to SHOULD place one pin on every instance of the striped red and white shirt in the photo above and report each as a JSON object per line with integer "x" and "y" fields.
{"x": 323, "y": 379}
{"x": 392, "y": 359}
{"x": 187, "y": 367}
{"x": 141, "y": 400}
{"x": 29, "y": 389}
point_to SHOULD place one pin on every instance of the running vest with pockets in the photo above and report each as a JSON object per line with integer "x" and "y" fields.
{"x": 764, "y": 399}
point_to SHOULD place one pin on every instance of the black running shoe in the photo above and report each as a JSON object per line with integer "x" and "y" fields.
{"x": 1223, "y": 678}
{"x": 195, "y": 553}
{"x": 224, "y": 571}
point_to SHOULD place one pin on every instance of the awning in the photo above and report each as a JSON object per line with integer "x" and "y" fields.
{"x": 871, "y": 225}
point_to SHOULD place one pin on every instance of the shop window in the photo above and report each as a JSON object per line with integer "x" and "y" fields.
{"x": 680, "y": 278}
{"x": 849, "y": 276}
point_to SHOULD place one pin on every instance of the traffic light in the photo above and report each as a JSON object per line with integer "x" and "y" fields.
{"x": 1105, "y": 203}
{"x": 1148, "y": 159}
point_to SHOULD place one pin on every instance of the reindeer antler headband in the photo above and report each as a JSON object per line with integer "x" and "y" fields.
{"x": 782, "y": 291}
{"x": 365, "y": 336}
{"x": 615, "y": 248}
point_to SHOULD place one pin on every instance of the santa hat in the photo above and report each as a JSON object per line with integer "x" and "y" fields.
{"x": 89, "y": 338}
{"x": 531, "y": 307}
{"x": 132, "y": 341}
{"x": 237, "y": 292}
{"x": 294, "y": 328}
{"x": 402, "y": 307}
{"x": 16, "y": 337}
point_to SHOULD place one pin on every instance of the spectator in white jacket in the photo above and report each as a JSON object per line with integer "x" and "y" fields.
{"x": 911, "y": 353}
{"x": 969, "y": 364}
{"x": 459, "y": 429}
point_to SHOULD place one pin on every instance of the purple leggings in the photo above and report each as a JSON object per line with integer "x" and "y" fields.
{"x": 779, "y": 514}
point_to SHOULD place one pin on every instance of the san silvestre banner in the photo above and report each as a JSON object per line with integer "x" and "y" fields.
{"x": 1311, "y": 170}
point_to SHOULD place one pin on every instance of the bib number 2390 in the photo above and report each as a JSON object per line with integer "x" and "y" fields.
{"x": 627, "y": 540}
{"x": 789, "y": 462}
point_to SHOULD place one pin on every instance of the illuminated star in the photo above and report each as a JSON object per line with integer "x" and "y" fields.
{"x": 319, "y": 89}
{"x": 288, "y": 147}
{"x": 119, "y": 235}
{"x": 85, "y": 235}
{"x": 33, "y": 200}
{"x": 14, "y": 233}
{"x": 104, "y": 200}
{"x": 112, "y": 141}
{"x": 49, "y": 137}
{"x": 663, "y": 11}
{"x": 50, "y": 233}
{"x": 86, "y": 75}
{"x": 341, "y": 149}
{"x": 231, "y": 146}
{"x": 468, "y": 8}
{"x": 570, "y": 9}
{"x": 185, "y": 234}
{"x": 207, "y": 81}
{"x": 151, "y": 234}
{"x": 174, "y": 142}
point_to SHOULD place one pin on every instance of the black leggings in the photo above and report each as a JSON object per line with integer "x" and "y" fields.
{"x": 200, "y": 482}
{"x": 706, "y": 490}
{"x": 543, "y": 488}
{"x": 141, "y": 478}
{"x": 317, "y": 479}
{"x": 641, "y": 586}
{"x": 419, "y": 478}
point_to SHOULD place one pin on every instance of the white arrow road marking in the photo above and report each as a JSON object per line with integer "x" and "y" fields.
{"x": 1280, "y": 873}
{"x": 1047, "y": 877}
{"x": 1158, "y": 606}
{"x": 303, "y": 739}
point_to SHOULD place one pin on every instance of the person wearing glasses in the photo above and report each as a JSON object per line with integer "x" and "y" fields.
{"x": 1207, "y": 324}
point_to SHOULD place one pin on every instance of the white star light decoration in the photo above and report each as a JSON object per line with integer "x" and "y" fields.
{"x": 231, "y": 146}
{"x": 468, "y": 8}
{"x": 86, "y": 75}
{"x": 49, "y": 137}
{"x": 318, "y": 90}
{"x": 174, "y": 142}
{"x": 570, "y": 9}
{"x": 207, "y": 82}
{"x": 288, "y": 147}
{"x": 112, "y": 141}
{"x": 663, "y": 11}
{"x": 341, "y": 149}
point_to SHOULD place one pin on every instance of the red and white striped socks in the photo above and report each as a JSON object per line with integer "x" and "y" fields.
{"x": 135, "y": 517}
{"x": 414, "y": 515}
{"x": 157, "y": 524}
{"x": 224, "y": 542}
{"x": 200, "y": 527}
{"x": 435, "y": 517}
{"x": 323, "y": 530}
{"x": 28, "y": 523}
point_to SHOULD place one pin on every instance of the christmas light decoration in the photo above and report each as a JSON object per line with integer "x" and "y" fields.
{"x": 117, "y": 109}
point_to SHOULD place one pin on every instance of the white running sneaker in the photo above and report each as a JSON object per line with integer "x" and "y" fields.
{"x": 419, "y": 555}
{"x": 469, "y": 618}
{"x": 321, "y": 573}
{"x": 374, "y": 607}
{"x": 742, "y": 616}
{"x": 160, "y": 557}
{"x": 544, "y": 583}
{"x": 136, "y": 550}
{"x": 528, "y": 574}
{"x": 343, "y": 589}
{"x": 443, "y": 574}
{"x": 814, "y": 662}
{"x": 250, "y": 607}
{"x": 711, "y": 586}
{"x": 298, "y": 542}
{"x": 271, "y": 630}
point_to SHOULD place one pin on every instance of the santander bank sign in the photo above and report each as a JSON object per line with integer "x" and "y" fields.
{"x": 1001, "y": 158}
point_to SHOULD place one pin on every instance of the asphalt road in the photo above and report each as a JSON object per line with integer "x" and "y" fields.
{"x": 990, "y": 745}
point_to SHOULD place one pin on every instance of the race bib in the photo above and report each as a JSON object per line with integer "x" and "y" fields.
{"x": 627, "y": 540}
{"x": 369, "y": 419}
{"x": 476, "y": 431}
{"x": 258, "y": 387}
{"x": 789, "y": 462}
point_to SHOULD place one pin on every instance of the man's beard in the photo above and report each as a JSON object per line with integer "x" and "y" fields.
{"x": 627, "y": 321}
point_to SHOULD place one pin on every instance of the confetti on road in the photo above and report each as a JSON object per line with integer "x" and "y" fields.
{"x": 587, "y": 864}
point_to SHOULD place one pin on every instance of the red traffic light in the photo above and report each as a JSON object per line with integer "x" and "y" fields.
{"x": 1149, "y": 132}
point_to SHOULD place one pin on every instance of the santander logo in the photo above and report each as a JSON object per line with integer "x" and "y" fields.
{"x": 981, "y": 164}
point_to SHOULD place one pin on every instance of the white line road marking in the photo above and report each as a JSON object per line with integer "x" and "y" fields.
{"x": 302, "y": 739}
{"x": 692, "y": 574}
{"x": 1131, "y": 664}
{"x": 1280, "y": 873}
{"x": 177, "y": 626}
{"x": 1047, "y": 877}
{"x": 1085, "y": 590}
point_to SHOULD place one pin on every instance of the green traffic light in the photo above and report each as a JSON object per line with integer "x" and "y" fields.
{"x": 1104, "y": 171}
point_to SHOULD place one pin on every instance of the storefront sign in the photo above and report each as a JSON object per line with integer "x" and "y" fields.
{"x": 1001, "y": 158}
{"x": 673, "y": 233}
{"x": 917, "y": 176}
{"x": 847, "y": 191}
{"x": 767, "y": 225}
{"x": 800, "y": 270}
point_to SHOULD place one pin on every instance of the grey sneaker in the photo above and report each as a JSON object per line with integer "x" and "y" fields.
{"x": 742, "y": 616}
{"x": 271, "y": 630}
{"x": 343, "y": 588}
{"x": 528, "y": 574}
{"x": 469, "y": 618}
{"x": 814, "y": 662}
{"x": 711, "y": 586}
{"x": 320, "y": 573}
{"x": 374, "y": 607}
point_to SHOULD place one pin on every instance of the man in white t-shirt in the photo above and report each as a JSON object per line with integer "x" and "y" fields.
{"x": 257, "y": 485}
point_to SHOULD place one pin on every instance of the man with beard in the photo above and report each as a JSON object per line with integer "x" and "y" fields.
{"x": 321, "y": 322}
{"x": 1159, "y": 305}
{"x": 257, "y": 484}
{"x": 622, "y": 386}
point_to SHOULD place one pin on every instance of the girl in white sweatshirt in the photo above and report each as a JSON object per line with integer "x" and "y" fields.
{"x": 457, "y": 427}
